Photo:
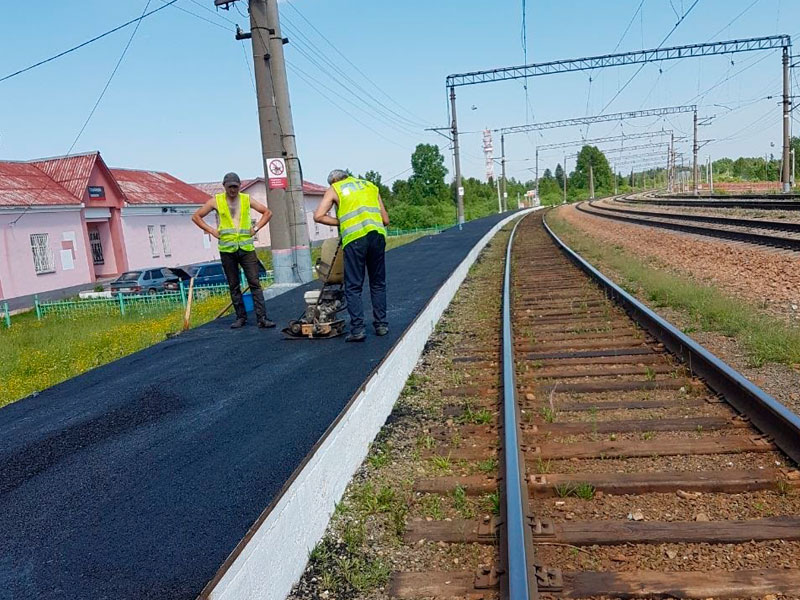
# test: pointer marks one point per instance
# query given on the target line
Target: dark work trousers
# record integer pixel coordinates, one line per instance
(249, 262)
(365, 252)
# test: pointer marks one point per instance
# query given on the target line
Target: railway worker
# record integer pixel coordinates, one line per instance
(362, 220)
(236, 244)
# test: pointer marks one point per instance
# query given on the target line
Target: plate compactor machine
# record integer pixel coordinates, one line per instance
(323, 305)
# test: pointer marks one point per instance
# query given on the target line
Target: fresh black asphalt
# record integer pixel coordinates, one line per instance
(137, 479)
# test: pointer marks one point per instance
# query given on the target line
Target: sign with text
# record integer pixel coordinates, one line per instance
(277, 179)
(97, 191)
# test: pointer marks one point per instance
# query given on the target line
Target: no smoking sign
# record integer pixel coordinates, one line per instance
(276, 174)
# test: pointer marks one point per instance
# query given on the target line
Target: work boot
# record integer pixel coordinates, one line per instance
(238, 323)
(381, 329)
(265, 324)
(356, 336)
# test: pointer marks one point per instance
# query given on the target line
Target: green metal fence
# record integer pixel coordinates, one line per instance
(423, 230)
(6, 314)
(129, 304)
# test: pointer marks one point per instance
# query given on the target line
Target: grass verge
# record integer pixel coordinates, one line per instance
(764, 338)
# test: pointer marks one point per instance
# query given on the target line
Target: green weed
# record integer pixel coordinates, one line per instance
(548, 414)
(441, 463)
(488, 466)
(432, 507)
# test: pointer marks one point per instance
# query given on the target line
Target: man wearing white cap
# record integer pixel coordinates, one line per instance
(236, 244)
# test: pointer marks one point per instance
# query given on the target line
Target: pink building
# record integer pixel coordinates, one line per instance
(67, 222)
(312, 194)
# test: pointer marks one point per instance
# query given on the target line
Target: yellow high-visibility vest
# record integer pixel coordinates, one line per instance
(232, 238)
(359, 210)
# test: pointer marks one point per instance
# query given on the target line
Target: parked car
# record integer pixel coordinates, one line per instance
(147, 281)
(207, 274)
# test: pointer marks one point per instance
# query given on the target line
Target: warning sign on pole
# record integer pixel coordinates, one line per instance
(276, 174)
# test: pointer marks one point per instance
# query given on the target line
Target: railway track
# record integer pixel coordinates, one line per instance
(750, 231)
(632, 463)
(723, 202)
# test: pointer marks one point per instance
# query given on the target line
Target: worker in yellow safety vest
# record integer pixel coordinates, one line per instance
(236, 244)
(362, 220)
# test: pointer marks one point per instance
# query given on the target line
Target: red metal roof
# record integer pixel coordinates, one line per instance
(151, 187)
(212, 188)
(72, 172)
(22, 184)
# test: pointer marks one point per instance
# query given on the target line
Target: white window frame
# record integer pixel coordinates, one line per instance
(154, 249)
(43, 259)
(165, 241)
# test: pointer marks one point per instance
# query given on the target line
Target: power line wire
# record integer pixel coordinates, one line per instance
(420, 121)
(201, 17)
(642, 66)
(87, 42)
(306, 47)
(313, 57)
(94, 108)
(110, 79)
(736, 18)
(624, 33)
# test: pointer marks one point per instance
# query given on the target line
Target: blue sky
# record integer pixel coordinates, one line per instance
(183, 99)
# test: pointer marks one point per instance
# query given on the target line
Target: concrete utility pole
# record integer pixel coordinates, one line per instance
(794, 174)
(671, 164)
(614, 174)
(291, 254)
(503, 164)
(710, 175)
(564, 176)
(456, 158)
(785, 172)
(695, 189)
(591, 182)
(499, 202)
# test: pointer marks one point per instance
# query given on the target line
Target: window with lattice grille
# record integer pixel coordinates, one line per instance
(165, 241)
(43, 260)
(154, 249)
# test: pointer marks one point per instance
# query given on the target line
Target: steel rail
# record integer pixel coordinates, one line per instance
(519, 540)
(727, 203)
(765, 413)
(738, 236)
(752, 223)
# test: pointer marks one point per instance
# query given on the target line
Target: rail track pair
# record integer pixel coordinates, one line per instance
(775, 234)
(633, 463)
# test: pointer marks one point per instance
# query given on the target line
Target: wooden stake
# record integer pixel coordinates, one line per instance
(188, 312)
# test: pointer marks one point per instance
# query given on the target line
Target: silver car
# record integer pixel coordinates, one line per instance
(146, 281)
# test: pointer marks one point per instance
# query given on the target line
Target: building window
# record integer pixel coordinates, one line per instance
(97, 247)
(165, 241)
(151, 232)
(43, 260)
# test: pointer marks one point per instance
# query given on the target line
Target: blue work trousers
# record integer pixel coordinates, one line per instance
(365, 254)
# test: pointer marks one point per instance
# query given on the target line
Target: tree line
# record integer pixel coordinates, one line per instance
(426, 199)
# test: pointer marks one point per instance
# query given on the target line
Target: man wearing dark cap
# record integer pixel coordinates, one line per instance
(236, 244)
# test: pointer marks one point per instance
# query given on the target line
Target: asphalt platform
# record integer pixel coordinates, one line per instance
(137, 479)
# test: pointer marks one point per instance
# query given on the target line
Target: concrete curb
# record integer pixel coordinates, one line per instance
(273, 555)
